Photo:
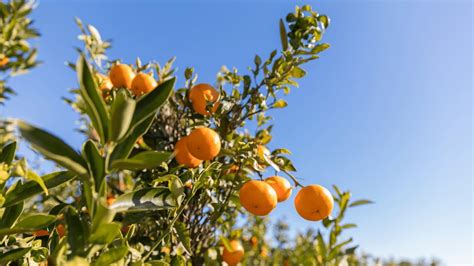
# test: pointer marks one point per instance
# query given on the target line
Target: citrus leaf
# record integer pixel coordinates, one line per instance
(20, 192)
(280, 104)
(13, 255)
(149, 104)
(11, 215)
(36, 221)
(144, 200)
(360, 202)
(30, 175)
(112, 255)
(54, 148)
(105, 234)
(143, 160)
(283, 37)
(124, 148)
(121, 115)
(95, 105)
(95, 161)
(7, 153)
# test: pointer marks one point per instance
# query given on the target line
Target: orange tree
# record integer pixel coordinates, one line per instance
(164, 171)
(16, 54)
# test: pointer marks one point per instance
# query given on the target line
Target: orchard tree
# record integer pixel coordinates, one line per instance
(167, 166)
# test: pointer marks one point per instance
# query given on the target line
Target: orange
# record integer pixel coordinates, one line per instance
(253, 241)
(110, 200)
(204, 143)
(121, 76)
(104, 82)
(142, 84)
(235, 255)
(40, 233)
(264, 252)
(183, 156)
(281, 186)
(314, 202)
(165, 250)
(60, 229)
(4, 61)
(258, 197)
(200, 95)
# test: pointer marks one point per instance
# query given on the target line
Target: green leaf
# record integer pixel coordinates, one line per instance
(76, 232)
(183, 235)
(20, 192)
(351, 250)
(95, 105)
(123, 149)
(96, 163)
(13, 255)
(7, 153)
(103, 215)
(360, 202)
(347, 226)
(225, 242)
(143, 160)
(149, 104)
(283, 37)
(36, 221)
(121, 115)
(144, 200)
(320, 47)
(11, 215)
(30, 175)
(105, 234)
(280, 104)
(298, 72)
(112, 255)
(53, 148)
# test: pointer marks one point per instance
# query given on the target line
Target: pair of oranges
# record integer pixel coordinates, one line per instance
(123, 76)
(313, 202)
(201, 144)
(261, 197)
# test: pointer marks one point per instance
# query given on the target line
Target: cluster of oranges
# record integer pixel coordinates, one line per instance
(202, 143)
(123, 76)
(260, 197)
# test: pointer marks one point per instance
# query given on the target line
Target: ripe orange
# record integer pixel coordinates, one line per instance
(61, 230)
(233, 256)
(258, 197)
(104, 82)
(264, 252)
(202, 93)
(253, 241)
(281, 186)
(41, 232)
(183, 156)
(110, 199)
(165, 250)
(4, 61)
(314, 202)
(142, 84)
(121, 76)
(204, 143)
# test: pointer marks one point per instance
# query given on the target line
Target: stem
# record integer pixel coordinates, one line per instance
(297, 184)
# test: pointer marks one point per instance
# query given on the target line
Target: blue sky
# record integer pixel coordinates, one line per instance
(386, 112)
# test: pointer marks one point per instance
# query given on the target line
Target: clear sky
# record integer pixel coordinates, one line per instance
(386, 112)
